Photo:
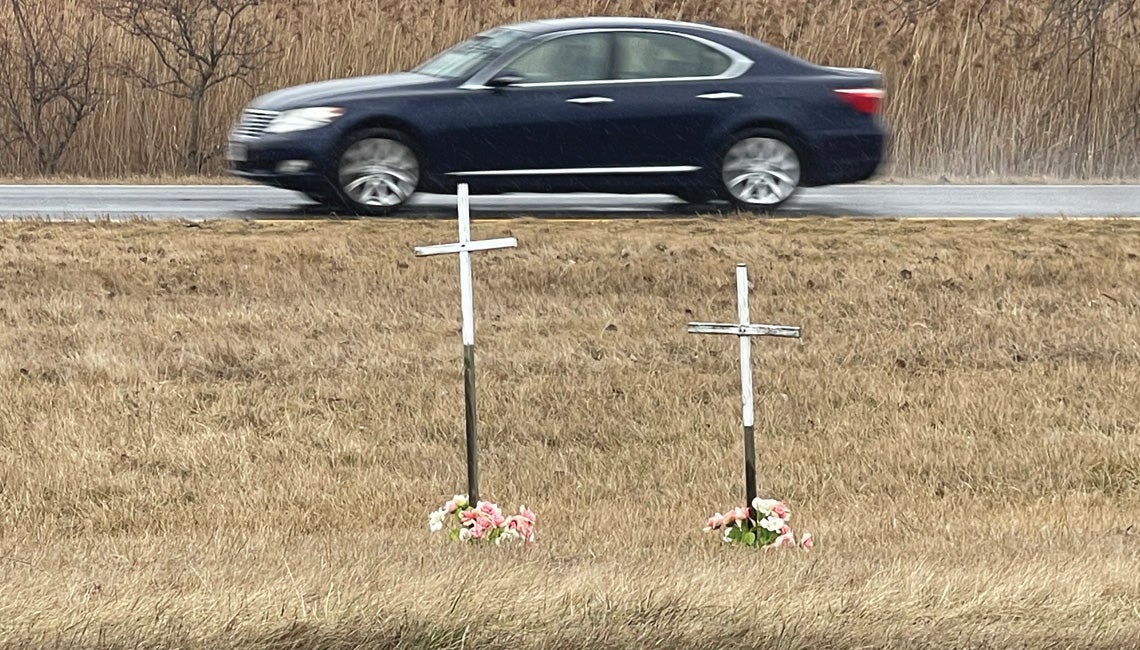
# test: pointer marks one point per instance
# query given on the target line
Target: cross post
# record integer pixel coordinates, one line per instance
(464, 247)
(745, 330)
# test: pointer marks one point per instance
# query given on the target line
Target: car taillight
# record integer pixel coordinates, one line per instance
(864, 100)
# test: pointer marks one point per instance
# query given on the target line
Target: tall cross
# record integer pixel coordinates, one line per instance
(464, 247)
(745, 330)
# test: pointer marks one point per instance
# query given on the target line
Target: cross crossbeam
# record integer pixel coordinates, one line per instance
(745, 329)
(466, 247)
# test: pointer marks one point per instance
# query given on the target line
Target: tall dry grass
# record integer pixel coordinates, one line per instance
(962, 100)
(230, 435)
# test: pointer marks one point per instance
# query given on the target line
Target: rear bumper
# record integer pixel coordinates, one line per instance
(844, 158)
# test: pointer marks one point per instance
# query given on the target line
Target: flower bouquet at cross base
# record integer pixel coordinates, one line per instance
(481, 522)
(766, 526)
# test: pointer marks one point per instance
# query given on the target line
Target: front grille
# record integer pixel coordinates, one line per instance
(253, 122)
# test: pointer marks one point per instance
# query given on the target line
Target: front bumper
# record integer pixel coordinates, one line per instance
(287, 161)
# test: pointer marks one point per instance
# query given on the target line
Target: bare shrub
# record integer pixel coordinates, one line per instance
(1077, 44)
(197, 45)
(48, 82)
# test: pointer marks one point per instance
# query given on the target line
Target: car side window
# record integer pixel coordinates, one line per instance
(577, 57)
(651, 55)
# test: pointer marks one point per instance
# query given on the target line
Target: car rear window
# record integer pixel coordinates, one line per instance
(653, 55)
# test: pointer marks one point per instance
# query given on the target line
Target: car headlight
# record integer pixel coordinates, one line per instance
(303, 119)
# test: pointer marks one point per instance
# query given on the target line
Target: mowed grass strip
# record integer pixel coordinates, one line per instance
(230, 435)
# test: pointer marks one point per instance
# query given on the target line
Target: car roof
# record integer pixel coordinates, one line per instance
(550, 25)
(728, 37)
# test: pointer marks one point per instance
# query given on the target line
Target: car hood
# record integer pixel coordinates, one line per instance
(340, 90)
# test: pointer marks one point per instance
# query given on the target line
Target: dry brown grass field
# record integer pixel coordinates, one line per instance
(231, 434)
(970, 95)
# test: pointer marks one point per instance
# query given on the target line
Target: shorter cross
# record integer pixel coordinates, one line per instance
(745, 330)
(464, 247)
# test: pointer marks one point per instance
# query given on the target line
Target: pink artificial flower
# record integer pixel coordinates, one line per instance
(481, 520)
(806, 542)
(476, 521)
(785, 530)
(781, 511)
(492, 511)
(716, 522)
(784, 540)
(740, 513)
(481, 525)
(521, 525)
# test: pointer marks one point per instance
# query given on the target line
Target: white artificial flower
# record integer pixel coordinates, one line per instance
(464, 534)
(763, 506)
(460, 501)
(772, 523)
(507, 535)
(435, 520)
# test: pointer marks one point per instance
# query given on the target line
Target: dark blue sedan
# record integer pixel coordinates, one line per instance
(586, 104)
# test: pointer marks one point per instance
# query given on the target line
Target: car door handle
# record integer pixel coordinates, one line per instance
(720, 96)
(589, 100)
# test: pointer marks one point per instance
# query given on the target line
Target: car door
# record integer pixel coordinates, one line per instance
(551, 122)
(675, 93)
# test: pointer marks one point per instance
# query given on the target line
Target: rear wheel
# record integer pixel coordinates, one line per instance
(377, 172)
(760, 171)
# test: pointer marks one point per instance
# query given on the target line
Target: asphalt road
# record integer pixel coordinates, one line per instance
(204, 202)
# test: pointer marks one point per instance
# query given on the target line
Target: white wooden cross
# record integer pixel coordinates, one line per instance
(464, 247)
(745, 330)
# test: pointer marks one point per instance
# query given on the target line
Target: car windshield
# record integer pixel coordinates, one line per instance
(470, 55)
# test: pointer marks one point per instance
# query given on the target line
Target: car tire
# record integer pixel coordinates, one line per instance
(760, 170)
(377, 171)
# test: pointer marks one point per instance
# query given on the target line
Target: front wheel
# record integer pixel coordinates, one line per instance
(377, 173)
(760, 171)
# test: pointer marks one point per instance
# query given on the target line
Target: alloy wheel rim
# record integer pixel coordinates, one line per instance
(761, 171)
(379, 172)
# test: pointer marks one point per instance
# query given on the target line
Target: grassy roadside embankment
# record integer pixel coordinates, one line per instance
(231, 435)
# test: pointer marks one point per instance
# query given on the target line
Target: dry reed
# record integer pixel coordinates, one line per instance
(962, 102)
(230, 435)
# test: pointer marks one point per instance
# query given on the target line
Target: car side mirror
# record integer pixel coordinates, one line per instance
(504, 80)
